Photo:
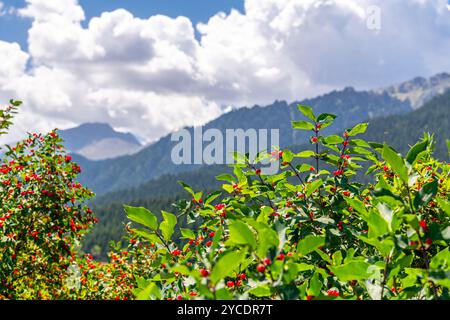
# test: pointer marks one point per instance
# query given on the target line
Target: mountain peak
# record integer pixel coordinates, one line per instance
(86, 135)
(419, 90)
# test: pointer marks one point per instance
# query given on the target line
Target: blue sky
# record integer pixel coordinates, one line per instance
(13, 28)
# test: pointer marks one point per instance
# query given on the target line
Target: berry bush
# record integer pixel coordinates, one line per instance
(312, 231)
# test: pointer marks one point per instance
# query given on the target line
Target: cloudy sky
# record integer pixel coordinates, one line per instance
(151, 67)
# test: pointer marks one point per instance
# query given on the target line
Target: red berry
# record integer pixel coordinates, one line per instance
(281, 257)
(333, 293)
(204, 272)
(429, 241)
(423, 224)
(230, 284)
(261, 268)
(209, 243)
(211, 234)
(242, 276)
(267, 261)
(258, 171)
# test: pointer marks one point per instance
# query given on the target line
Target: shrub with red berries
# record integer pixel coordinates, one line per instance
(42, 217)
(311, 231)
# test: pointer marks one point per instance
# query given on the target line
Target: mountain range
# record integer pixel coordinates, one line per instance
(350, 106)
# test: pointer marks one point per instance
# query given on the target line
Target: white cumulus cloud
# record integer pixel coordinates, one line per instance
(152, 76)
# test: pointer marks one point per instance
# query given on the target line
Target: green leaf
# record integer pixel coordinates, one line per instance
(326, 117)
(313, 186)
(168, 225)
(333, 139)
(264, 216)
(187, 233)
(307, 112)
(305, 154)
(240, 233)
(385, 193)
(187, 187)
(210, 198)
(226, 177)
(310, 244)
(337, 258)
(145, 233)
(444, 205)
(441, 260)
(378, 226)
(354, 270)
(198, 196)
(215, 242)
(302, 125)
(386, 213)
(358, 206)
(226, 266)
(267, 238)
(425, 194)
(396, 162)
(305, 167)
(261, 291)
(288, 155)
(448, 146)
(415, 150)
(148, 292)
(315, 285)
(142, 216)
(301, 267)
(359, 143)
(358, 129)
(223, 294)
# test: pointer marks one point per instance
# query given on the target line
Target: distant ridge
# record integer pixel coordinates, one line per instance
(99, 141)
(419, 90)
(351, 106)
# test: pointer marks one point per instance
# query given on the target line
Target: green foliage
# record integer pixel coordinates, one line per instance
(300, 234)
(7, 114)
(315, 234)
